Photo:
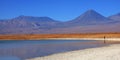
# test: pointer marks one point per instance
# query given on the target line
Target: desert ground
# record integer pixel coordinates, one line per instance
(52, 36)
(111, 52)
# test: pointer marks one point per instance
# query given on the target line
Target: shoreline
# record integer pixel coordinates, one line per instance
(87, 36)
(106, 40)
(110, 52)
(116, 39)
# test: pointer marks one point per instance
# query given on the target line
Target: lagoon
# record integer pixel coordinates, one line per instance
(26, 49)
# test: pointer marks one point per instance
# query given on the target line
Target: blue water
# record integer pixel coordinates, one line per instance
(9, 58)
(20, 50)
(41, 41)
(13, 43)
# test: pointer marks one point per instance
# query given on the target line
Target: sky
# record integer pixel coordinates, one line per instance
(62, 10)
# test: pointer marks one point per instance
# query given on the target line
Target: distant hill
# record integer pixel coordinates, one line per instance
(88, 22)
(115, 17)
(26, 24)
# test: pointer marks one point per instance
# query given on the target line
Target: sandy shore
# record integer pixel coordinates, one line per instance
(111, 52)
(64, 36)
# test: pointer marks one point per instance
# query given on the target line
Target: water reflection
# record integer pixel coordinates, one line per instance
(30, 49)
(9, 58)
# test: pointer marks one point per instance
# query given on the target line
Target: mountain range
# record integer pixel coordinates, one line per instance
(88, 22)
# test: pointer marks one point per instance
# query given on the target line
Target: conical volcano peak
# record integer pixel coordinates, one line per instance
(90, 17)
(91, 10)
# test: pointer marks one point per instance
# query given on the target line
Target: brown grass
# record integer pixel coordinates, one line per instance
(44, 36)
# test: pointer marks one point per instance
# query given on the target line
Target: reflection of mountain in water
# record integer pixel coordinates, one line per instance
(31, 49)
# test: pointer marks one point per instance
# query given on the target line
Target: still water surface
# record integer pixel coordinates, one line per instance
(20, 50)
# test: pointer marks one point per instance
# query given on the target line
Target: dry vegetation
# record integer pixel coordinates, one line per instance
(44, 36)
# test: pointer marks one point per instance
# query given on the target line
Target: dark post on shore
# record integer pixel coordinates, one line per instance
(104, 40)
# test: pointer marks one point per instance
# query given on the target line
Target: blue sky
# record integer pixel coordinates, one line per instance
(57, 9)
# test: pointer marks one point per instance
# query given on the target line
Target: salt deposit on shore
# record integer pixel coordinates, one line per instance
(113, 39)
(111, 52)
